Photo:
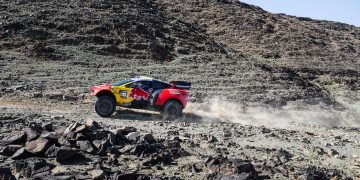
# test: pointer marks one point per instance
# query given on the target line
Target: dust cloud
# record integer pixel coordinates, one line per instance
(221, 110)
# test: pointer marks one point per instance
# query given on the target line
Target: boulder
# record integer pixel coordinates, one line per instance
(70, 128)
(52, 151)
(60, 129)
(64, 154)
(147, 138)
(59, 170)
(102, 147)
(133, 136)
(17, 166)
(50, 135)
(127, 130)
(80, 129)
(37, 167)
(21, 154)
(125, 176)
(95, 135)
(223, 165)
(220, 176)
(113, 155)
(9, 150)
(38, 146)
(97, 174)
(70, 135)
(92, 125)
(30, 134)
(5, 173)
(145, 149)
(47, 126)
(211, 139)
(243, 167)
(80, 136)
(97, 143)
(113, 138)
(85, 146)
(14, 137)
(313, 173)
(172, 143)
(64, 142)
(120, 138)
(127, 149)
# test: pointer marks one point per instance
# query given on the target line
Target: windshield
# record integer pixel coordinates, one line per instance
(121, 82)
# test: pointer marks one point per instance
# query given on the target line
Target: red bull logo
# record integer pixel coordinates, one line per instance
(138, 93)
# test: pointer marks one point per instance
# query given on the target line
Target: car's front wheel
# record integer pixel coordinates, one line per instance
(172, 110)
(105, 106)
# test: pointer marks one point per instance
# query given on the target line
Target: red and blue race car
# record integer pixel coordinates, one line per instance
(142, 93)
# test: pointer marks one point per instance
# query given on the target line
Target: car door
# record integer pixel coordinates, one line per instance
(141, 90)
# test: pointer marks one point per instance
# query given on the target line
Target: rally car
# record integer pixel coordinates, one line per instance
(142, 93)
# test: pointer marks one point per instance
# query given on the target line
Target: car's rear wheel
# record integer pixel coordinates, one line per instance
(172, 110)
(105, 106)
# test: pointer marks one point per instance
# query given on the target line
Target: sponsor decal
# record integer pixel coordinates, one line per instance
(173, 91)
(138, 94)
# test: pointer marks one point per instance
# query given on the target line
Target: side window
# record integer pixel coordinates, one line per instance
(144, 85)
(132, 85)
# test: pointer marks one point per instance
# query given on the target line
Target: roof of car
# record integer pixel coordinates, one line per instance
(142, 78)
(145, 78)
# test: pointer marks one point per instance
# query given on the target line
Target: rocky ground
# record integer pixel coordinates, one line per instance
(273, 96)
(63, 141)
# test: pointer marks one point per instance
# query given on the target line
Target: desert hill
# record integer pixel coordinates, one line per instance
(57, 49)
(323, 52)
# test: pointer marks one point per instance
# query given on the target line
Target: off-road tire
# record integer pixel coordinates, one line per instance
(105, 106)
(172, 110)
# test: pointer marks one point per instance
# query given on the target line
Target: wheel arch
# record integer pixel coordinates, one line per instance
(106, 93)
(174, 99)
(167, 94)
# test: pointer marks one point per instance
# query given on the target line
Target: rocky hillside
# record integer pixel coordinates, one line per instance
(326, 53)
(251, 30)
(135, 30)
(57, 49)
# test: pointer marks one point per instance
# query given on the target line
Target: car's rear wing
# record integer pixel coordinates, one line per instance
(181, 84)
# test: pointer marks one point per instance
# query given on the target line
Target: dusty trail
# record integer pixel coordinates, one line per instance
(212, 111)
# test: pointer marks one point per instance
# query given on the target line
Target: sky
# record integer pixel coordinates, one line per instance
(346, 11)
